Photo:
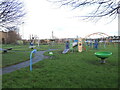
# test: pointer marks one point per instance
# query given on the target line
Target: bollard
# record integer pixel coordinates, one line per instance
(34, 51)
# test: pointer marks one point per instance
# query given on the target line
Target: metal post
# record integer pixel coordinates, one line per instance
(34, 51)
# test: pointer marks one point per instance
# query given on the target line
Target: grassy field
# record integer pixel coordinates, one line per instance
(21, 53)
(18, 54)
(26, 47)
(11, 58)
(71, 70)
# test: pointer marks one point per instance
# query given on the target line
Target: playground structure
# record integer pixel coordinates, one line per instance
(93, 42)
(84, 44)
(72, 44)
(32, 45)
(103, 40)
(88, 42)
(67, 47)
(97, 33)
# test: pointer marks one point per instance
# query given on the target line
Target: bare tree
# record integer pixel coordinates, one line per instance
(100, 8)
(13, 28)
(13, 37)
(11, 13)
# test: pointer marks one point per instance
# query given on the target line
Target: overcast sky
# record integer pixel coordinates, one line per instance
(44, 17)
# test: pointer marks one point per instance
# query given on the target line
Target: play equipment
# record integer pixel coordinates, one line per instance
(34, 51)
(65, 51)
(103, 55)
(102, 39)
(32, 45)
(96, 44)
(88, 42)
(67, 48)
(75, 43)
(71, 45)
(51, 54)
(80, 45)
(5, 50)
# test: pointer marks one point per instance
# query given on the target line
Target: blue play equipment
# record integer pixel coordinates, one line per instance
(67, 45)
(31, 44)
(96, 44)
(34, 51)
(70, 45)
(75, 40)
(66, 48)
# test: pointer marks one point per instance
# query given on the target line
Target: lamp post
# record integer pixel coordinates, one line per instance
(22, 29)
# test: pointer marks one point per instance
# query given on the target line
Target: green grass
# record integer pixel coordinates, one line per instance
(26, 47)
(71, 70)
(11, 58)
(19, 55)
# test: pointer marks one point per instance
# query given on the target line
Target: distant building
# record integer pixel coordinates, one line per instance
(3, 37)
(9, 37)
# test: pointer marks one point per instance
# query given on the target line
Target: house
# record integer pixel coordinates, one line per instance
(3, 37)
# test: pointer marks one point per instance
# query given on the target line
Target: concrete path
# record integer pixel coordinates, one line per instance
(38, 57)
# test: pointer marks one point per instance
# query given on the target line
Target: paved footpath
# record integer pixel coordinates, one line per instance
(38, 57)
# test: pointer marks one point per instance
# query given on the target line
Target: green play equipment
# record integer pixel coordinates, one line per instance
(71, 45)
(103, 55)
(51, 55)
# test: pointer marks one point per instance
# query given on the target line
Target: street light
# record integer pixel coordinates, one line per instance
(22, 29)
